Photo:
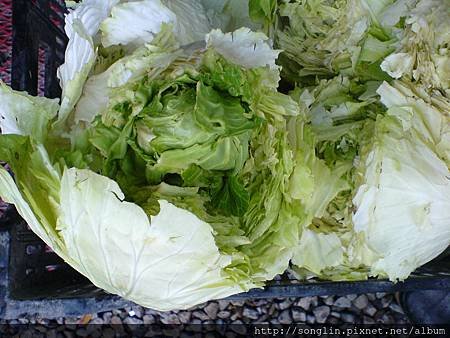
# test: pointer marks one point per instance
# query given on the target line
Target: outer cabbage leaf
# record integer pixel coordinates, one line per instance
(403, 202)
(23, 114)
(168, 262)
(82, 25)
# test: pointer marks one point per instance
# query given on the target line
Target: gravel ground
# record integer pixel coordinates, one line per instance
(356, 309)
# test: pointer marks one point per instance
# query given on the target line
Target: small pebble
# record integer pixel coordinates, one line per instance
(298, 315)
(368, 320)
(107, 317)
(132, 321)
(310, 319)
(380, 295)
(211, 310)
(370, 310)
(285, 317)
(321, 314)
(148, 319)
(333, 321)
(171, 318)
(115, 320)
(361, 302)
(250, 313)
(223, 304)
(329, 300)
(304, 303)
(351, 296)
(343, 302)
(223, 314)
(386, 301)
(347, 317)
(286, 304)
(335, 314)
(200, 315)
(185, 317)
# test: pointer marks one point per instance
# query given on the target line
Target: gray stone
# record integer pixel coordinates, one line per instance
(115, 320)
(371, 297)
(223, 314)
(314, 301)
(380, 295)
(368, 320)
(310, 319)
(185, 317)
(274, 321)
(370, 310)
(250, 313)
(321, 313)
(361, 302)
(272, 310)
(285, 317)
(170, 318)
(138, 311)
(343, 302)
(259, 303)
(235, 315)
(148, 319)
(335, 314)
(333, 321)
(298, 315)
(223, 304)
(304, 303)
(386, 301)
(351, 296)
(237, 303)
(132, 321)
(387, 319)
(347, 317)
(286, 304)
(211, 310)
(107, 317)
(329, 300)
(200, 315)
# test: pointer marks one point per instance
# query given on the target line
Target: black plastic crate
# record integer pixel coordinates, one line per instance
(33, 279)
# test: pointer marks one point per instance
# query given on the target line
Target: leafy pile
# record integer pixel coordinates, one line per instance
(175, 169)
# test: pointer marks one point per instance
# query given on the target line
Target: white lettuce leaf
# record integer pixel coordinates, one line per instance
(82, 25)
(244, 47)
(403, 205)
(135, 23)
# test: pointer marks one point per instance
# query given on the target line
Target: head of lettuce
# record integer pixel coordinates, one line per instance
(161, 175)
